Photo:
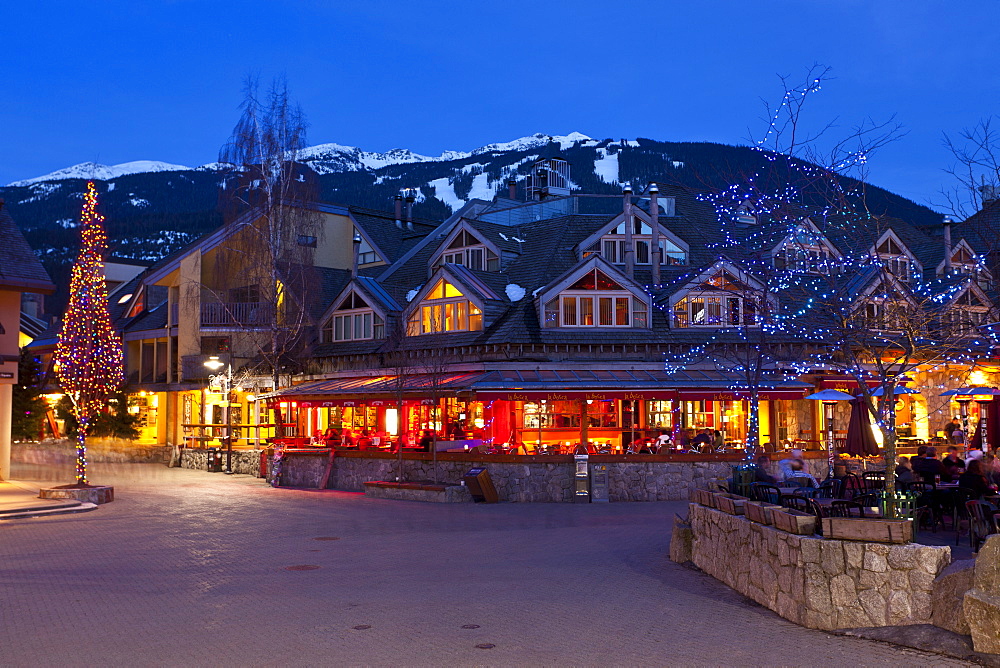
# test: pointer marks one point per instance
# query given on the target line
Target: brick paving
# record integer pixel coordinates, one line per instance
(192, 568)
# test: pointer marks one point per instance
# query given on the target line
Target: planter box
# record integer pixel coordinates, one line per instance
(730, 503)
(759, 512)
(869, 530)
(793, 521)
(704, 497)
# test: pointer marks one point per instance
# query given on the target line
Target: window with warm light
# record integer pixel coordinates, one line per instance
(595, 300)
(721, 301)
(895, 259)
(445, 309)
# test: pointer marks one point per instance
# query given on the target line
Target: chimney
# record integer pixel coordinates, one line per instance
(512, 189)
(627, 208)
(410, 198)
(357, 253)
(399, 210)
(946, 225)
(654, 243)
(989, 194)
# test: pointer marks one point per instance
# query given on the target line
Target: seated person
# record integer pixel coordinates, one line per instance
(427, 441)
(331, 436)
(760, 473)
(799, 475)
(974, 480)
(953, 465)
(928, 466)
(904, 471)
(704, 439)
(364, 440)
(347, 438)
(663, 441)
(785, 465)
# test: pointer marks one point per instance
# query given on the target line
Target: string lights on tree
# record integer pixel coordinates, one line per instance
(88, 357)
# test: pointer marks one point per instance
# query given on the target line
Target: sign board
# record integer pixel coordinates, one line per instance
(574, 395)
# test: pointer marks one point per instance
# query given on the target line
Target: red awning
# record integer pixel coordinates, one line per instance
(739, 395)
(577, 395)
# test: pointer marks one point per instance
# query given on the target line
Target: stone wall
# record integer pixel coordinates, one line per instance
(244, 461)
(815, 582)
(113, 450)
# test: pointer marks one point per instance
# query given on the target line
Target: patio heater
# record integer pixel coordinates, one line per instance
(829, 399)
(963, 400)
(214, 363)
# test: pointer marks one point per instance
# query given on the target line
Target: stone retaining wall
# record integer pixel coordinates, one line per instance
(62, 451)
(819, 583)
(244, 461)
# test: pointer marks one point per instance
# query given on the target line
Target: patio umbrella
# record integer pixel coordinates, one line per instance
(860, 439)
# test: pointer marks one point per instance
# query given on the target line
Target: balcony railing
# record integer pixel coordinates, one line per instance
(235, 313)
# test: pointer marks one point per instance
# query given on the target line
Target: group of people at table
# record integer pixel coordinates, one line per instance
(365, 440)
(978, 472)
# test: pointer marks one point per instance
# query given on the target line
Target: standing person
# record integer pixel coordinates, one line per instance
(949, 430)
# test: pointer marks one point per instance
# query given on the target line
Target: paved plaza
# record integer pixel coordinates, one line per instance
(194, 568)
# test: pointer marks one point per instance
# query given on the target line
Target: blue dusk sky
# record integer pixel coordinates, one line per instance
(113, 82)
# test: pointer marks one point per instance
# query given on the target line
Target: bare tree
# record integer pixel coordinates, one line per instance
(976, 169)
(264, 277)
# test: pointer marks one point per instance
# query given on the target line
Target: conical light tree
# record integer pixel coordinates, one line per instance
(89, 353)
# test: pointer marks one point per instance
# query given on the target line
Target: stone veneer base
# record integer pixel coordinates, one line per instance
(819, 583)
(97, 494)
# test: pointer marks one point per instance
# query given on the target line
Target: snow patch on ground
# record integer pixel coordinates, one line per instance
(515, 292)
(412, 293)
(138, 201)
(40, 191)
(67, 223)
(482, 188)
(606, 166)
(445, 192)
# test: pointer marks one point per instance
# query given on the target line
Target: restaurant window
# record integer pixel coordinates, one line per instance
(353, 320)
(470, 252)
(660, 414)
(567, 414)
(445, 309)
(595, 300)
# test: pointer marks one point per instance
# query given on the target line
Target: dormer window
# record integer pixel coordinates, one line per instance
(895, 259)
(885, 310)
(366, 254)
(967, 314)
(612, 246)
(468, 251)
(804, 252)
(596, 300)
(353, 320)
(966, 263)
(445, 309)
(721, 301)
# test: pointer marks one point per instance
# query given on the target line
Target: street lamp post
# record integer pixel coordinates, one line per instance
(214, 363)
(829, 399)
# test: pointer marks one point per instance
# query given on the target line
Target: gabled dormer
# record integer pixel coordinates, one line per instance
(968, 310)
(358, 313)
(965, 261)
(721, 296)
(896, 257)
(885, 304)
(805, 250)
(453, 300)
(467, 247)
(610, 240)
(594, 294)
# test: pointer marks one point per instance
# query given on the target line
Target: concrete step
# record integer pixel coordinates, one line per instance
(43, 511)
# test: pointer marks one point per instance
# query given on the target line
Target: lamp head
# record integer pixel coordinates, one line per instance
(214, 363)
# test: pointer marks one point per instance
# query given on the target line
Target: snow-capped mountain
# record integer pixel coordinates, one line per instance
(152, 208)
(92, 170)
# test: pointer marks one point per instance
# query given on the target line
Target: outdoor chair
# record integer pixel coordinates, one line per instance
(868, 501)
(851, 486)
(799, 503)
(981, 524)
(959, 512)
(765, 492)
(828, 489)
(842, 508)
(873, 480)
